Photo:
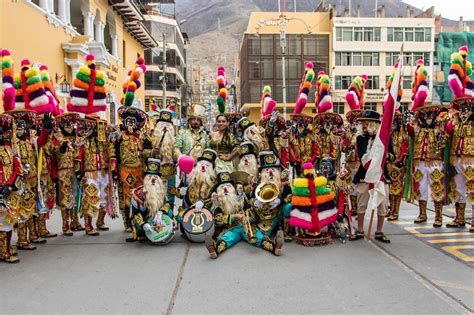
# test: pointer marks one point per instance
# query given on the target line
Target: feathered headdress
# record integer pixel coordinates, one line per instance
(222, 91)
(389, 85)
(88, 93)
(305, 86)
(459, 74)
(268, 104)
(50, 90)
(29, 90)
(356, 93)
(419, 85)
(323, 98)
(7, 80)
(133, 82)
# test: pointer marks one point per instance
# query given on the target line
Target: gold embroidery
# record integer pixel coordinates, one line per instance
(436, 175)
(417, 175)
(469, 173)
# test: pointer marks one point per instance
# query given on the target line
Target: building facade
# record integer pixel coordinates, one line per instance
(60, 33)
(371, 45)
(165, 30)
(307, 39)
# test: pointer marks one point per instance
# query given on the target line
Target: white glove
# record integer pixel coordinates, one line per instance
(183, 190)
(199, 205)
(258, 203)
(275, 203)
(157, 219)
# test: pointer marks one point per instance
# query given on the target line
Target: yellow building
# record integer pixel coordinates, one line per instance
(60, 33)
(307, 38)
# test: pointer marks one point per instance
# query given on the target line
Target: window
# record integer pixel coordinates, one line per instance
(266, 43)
(372, 82)
(338, 33)
(338, 108)
(427, 34)
(254, 46)
(367, 34)
(419, 34)
(124, 55)
(293, 45)
(267, 69)
(370, 106)
(255, 91)
(309, 46)
(347, 34)
(294, 67)
(358, 34)
(357, 58)
(409, 58)
(254, 69)
(398, 34)
(342, 82)
(390, 34)
(406, 84)
(409, 34)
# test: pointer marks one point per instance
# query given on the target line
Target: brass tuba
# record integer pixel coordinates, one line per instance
(266, 192)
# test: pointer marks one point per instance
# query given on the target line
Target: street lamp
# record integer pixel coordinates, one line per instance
(282, 21)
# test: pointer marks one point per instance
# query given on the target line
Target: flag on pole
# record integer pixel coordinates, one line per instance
(374, 161)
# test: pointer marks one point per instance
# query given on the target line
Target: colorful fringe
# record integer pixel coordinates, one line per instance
(305, 86)
(355, 93)
(133, 82)
(88, 93)
(268, 104)
(8, 84)
(313, 205)
(50, 90)
(419, 87)
(323, 98)
(222, 92)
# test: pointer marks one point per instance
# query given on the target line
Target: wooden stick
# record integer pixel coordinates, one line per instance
(370, 224)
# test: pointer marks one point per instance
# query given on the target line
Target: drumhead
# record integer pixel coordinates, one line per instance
(163, 233)
(196, 223)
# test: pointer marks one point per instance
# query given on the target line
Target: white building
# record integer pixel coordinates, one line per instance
(371, 45)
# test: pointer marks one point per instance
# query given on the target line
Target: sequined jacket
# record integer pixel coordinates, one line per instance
(64, 151)
(462, 133)
(127, 151)
(429, 143)
(93, 155)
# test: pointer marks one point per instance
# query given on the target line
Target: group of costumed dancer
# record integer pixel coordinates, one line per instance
(263, 184)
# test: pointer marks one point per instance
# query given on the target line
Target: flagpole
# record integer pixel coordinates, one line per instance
(393, 92)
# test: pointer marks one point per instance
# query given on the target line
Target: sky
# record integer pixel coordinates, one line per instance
(451, 9)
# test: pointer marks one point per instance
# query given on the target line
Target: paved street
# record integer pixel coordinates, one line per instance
(424, 270)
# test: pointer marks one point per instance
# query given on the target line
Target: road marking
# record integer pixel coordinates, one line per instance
(453, 285)
(451, 240)
(455, 251)
(433, 287)
(414, 229)
(442, 234)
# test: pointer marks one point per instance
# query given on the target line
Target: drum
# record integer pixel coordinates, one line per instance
(197, 223)
(160, 234)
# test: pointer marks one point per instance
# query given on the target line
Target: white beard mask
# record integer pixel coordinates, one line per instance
(227, 198)
(155, 194)
(248, 164)
(167, 144)
(202, 179)
(271, 174)
(254, 135)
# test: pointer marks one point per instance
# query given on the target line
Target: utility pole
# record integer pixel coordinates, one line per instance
(283, 46)
(164, 71)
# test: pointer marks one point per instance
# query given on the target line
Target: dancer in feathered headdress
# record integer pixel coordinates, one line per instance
(461, 119)
(88, 93)
(356, 92)
(459, 74)
(222, 92)
(30, 92)
(305, 86)
(7, 80)
(419, 85)
(133, 82)
(323, 98)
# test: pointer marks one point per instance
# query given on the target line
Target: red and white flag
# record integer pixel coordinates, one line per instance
(376, 157)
